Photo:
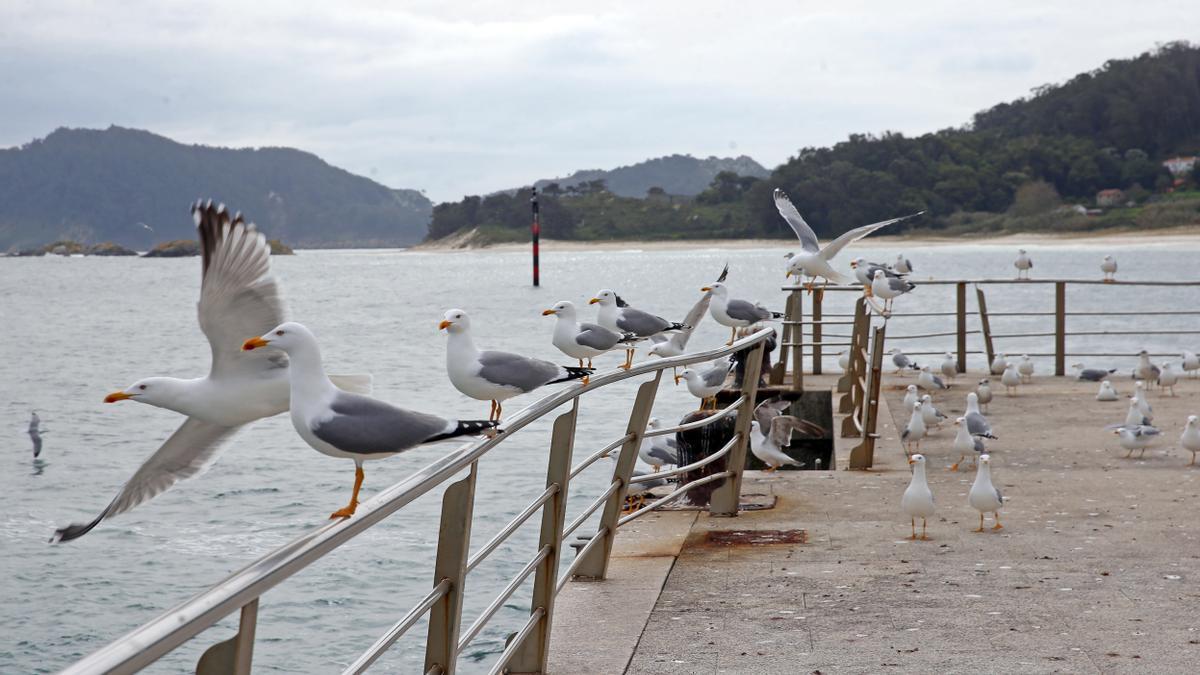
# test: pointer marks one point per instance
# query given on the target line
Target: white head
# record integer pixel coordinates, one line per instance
(912, 388)
(794, 266)
(455, 321)
(161, 392)
(686, 374)
(662, 349)
(718, 289)
(878, 274)
(286, 336)
(959, 420)
(1192, 419)
(917, 406)
(948, 357)
(605, 298)
(856, 262)
(896, 351)
(654, 423)
(1107, 258)
(985, 460)
(562, 308)
(973, 398)
(927, 399)
(917, 459)
(1024, 357)
(1020, 251)
(1139, 385)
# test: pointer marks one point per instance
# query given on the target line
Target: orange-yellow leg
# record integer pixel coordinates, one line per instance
(350, 508)
(997, 526)
(580, 363)
(628, 360)
(913, 522)
(589, 365)
(954, 466)
(1193, 459)
(924, 537)
(980, 523)
(770, 469)
(732, 336)
(585, 379)
(492, 416)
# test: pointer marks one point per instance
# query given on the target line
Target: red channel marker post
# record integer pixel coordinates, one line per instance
(537, 231)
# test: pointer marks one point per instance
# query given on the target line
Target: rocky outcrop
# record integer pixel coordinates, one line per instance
(180, 248)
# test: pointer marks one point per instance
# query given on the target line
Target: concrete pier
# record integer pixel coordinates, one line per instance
(1097, 568)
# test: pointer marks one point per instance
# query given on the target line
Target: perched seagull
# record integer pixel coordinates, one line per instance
(812, 260)
(1133, 416)
(1137, 437)
(1144, 370)
(1107, 393)
(843, 360)
(35, 433)
(915, 431)
(767, 445)
(999, 364)
(1023, 263)
(736, 313)
(977, 424)
(889, 288)
(618, 316)
(911, 396)
(659, 450)
(674, 344)
(965, 443)
(1109, 267)
(902, 265)
(902, 362)
(927, 380)
(1092, 374)
(1143, 401)
(984, 392)
(705, 383)
(582, 340)
(1190, 363)
(931, 415)
(864, 272)
(1190, 440)
(353, 426)
(917, 501)
(492, 375)
(1010, 379)
(635, 493)
(949, 366)
(1025, 368)
(238, 297)
(984, 497)
(1167, 377)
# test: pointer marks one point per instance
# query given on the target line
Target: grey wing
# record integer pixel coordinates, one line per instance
(1146, 430)
(596, 337)
(899, 284)
(746, 311)
(768, 410)
(999, 497)
(857, 233)
(693, 318)
(808, 238)
(909, 265)
(518, 371)
(186, 453)
(784, 427)
(644, 324)
(977, 425)
(714, 376)
(662, 455)
(979, 447)
(363, 425)
(238, 296)
(938, 381)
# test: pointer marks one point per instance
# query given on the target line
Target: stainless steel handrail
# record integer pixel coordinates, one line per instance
(389, 638)
(586, 513)
(534, 617)
(657, 475)
(722, 413)
(599, 454)
(503, 535)
(678, 491)
(495, 605)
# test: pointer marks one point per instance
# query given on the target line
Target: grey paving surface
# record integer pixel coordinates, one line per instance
(1096, 570)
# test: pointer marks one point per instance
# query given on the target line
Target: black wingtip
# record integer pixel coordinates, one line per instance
(679, 326)
(628, 338)
(776, 315)
(574, 373)
(74, 531)
(621, 302)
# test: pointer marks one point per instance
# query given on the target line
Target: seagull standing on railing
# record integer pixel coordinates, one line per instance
(983, 391)
(582, 340)
(902, 265)
(616, 315)
(705, 383)
(494, 375)
(673, 344)
(865, 272)
(911, 437)
(351, 426)
(984, 497)
(888, 288)
(1023, 263)
(1167, 377)
(917, 500)
(1109, 267)
(812, 260)
(736, 313)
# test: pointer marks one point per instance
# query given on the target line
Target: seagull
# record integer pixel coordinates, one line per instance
(1107, 393)
(977, 424)
(864, 272)
(1025, 368)
(1190, 440)
(658, 450)
(35, 433)
(1010, 379)
(1144, 370)
(931, 415)
(1167, 377)
(582, 340)
(493, 375)
(917, 501)
(616, 315)
(674, 344)
(911, 396)
(635, 493)
(1137, 437)
(1143, 402)
(768, 445)
(1092, 374)
(238, 297)
(902, 265)
(813, 260)
(902, 362)
(984, 392)
(1133, 416)
(735, 313)
(999, 364)
(965, 443)
(1023, 263)
(1109, 267)
(984, 497)
(351, 426)
(1190, 363)
(889, 288)
(915, 431)
(843, 360)
(949, 366)
(927, 380)
(704, 384)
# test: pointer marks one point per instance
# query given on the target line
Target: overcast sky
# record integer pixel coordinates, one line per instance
(462, 97)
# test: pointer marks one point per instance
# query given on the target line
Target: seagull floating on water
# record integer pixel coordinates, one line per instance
(35, 433)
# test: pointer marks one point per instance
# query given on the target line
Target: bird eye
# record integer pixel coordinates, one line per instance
(279, 332)
(141, 386)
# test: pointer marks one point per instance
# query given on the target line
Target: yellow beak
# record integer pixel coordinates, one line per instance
(254, 343)
(911, 460)
(548, 312)
(117, 396)
(676, 380)
(706, 288)
(854, 264)
(593, 301)
(789, 274)
(445, 324)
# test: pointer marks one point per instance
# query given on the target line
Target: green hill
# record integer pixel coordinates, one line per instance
(133, 188)
(674, 174)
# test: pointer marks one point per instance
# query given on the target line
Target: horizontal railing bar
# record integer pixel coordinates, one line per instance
(400, 628)
(817, 344)
(921, 336)
(1113, 354)
(951, 282)
(599, 454)
(678, 491)
(596, 504)
(579, 558)
(1145, 313)
(937, 353)
(516, 640)
(688, 467)
(505, 594)
(724, 412)
(807, 322)
(501, 536)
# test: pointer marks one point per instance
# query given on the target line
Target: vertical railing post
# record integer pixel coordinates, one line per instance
(818, 296)
(986, 325)
(235, 654)
(961, 315)
(779, 371)
(725, 499)
(862, 456)
(595, 565)
(1060, 328)
(531, 655)
(454, 543)
(798, 342)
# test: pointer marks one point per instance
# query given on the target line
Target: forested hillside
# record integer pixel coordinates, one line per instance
(682, 175)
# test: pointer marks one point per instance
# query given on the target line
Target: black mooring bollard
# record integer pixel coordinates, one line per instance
(695, 445)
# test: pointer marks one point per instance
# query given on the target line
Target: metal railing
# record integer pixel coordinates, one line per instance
(527, 649)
